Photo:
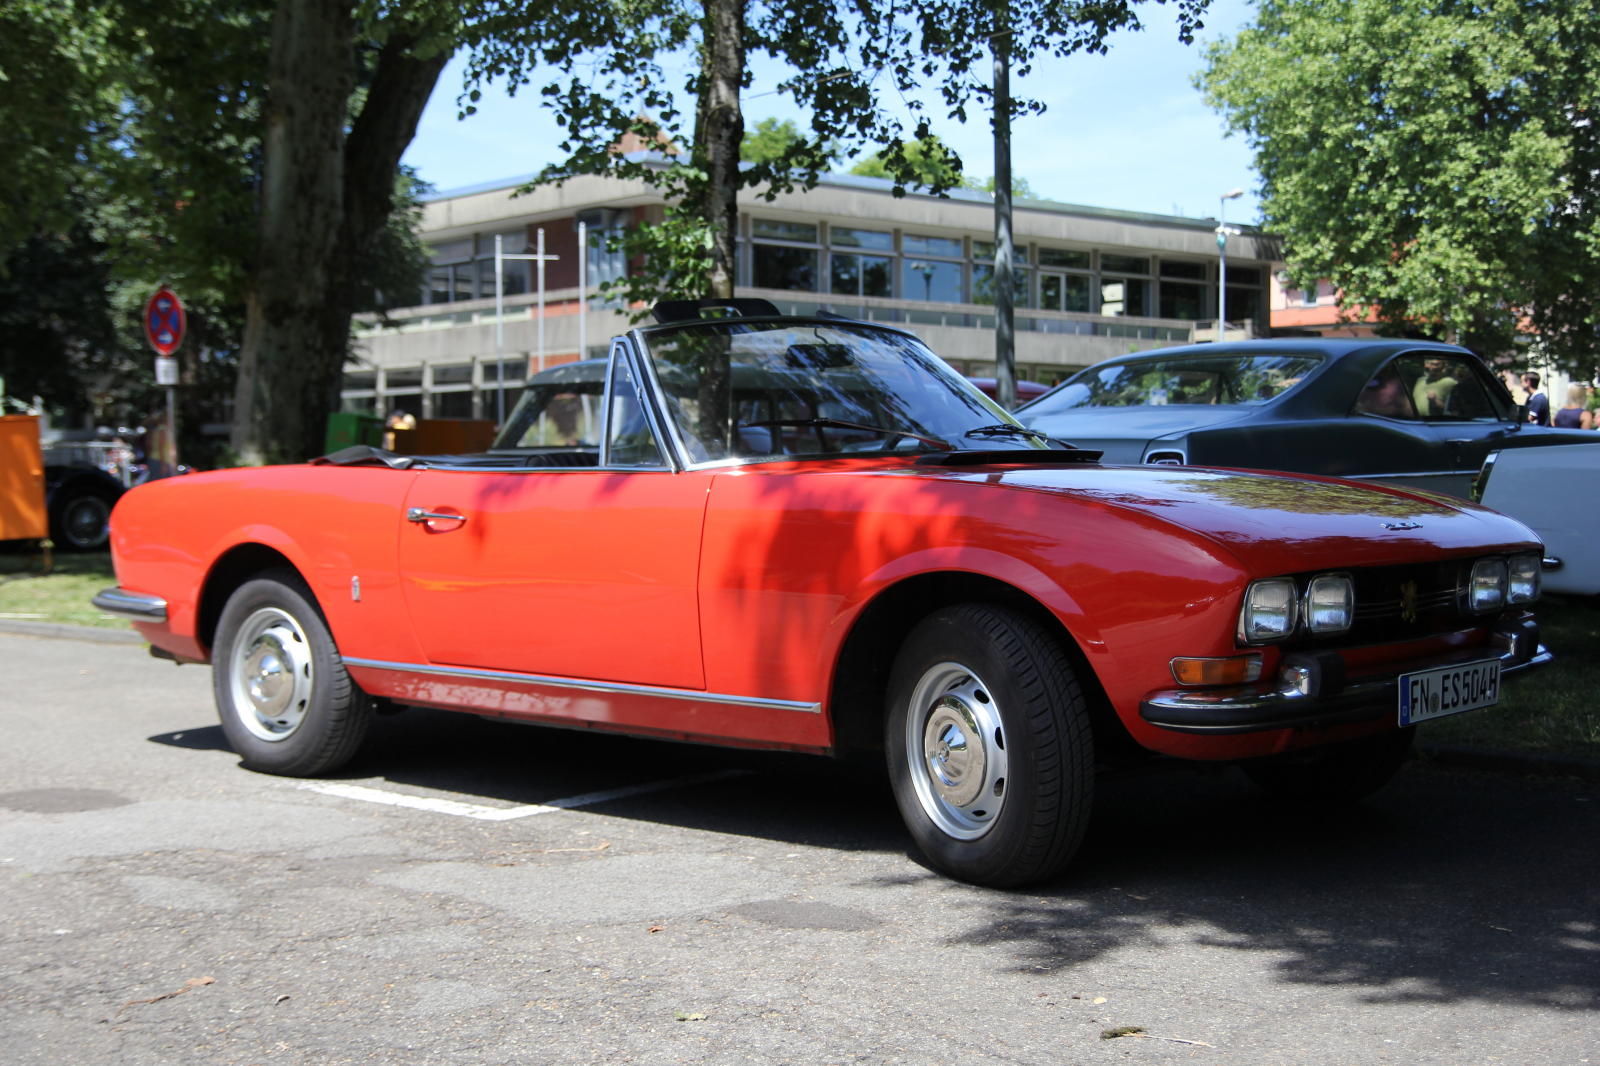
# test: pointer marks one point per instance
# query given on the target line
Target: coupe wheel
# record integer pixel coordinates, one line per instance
(1341, 774)
(989, 747)
(286, 701)
(83, 522)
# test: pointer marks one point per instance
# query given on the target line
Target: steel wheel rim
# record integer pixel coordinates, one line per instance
(955, 745)
(271, 675)
(86, 521)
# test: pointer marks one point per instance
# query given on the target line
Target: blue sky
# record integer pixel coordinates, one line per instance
(1123, 130)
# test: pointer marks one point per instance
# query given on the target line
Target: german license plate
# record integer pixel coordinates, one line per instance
(1448, 690)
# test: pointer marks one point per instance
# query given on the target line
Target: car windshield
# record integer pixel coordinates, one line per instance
(1244, 380)
(770, 389)
(560, 408)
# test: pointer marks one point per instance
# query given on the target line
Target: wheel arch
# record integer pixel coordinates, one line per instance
(858, 694)
(233, 568)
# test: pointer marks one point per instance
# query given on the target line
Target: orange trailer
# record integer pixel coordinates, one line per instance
(22, 509)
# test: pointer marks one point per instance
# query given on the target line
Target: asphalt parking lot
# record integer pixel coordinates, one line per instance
(474, 892)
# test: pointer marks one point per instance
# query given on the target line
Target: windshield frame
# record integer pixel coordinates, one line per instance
(682, 455)
(1320, 359)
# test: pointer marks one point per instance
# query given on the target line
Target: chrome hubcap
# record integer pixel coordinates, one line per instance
(956, 746)
(271, 674)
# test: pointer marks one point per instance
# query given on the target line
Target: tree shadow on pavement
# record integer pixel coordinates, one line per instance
(1441, 887)
(1445, 886)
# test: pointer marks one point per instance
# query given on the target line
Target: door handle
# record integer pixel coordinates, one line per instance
(418, 514)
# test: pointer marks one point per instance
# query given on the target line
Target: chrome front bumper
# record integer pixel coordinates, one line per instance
(134, 606)
(1256, 709)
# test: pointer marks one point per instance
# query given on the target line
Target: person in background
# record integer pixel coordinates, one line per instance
(1573, 415)
(1538, 402)
(398, 419)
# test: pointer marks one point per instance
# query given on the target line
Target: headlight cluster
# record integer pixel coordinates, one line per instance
(1493, 583)
(1273, 609)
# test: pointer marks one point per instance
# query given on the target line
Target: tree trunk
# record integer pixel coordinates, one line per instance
(378, 138)
(324, 200)
(280, 400)
(721, 134)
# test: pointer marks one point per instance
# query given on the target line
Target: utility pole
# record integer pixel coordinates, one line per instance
(1005, 339)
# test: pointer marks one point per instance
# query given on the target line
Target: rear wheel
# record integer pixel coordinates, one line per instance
(81, 521)
(285, 699)
(989, 747)
(1340, 774)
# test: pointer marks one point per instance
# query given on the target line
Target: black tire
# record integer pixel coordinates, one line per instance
(324, 719)
(1022, 679)
(1343, 773)
(80, 519)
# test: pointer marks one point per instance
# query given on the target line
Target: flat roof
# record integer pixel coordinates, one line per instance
(884, 185)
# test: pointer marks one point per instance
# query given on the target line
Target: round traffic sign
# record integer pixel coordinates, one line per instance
(164, 321)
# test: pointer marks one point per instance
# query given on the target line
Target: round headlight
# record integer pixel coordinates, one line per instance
(1270, 611)
(1330, 603)
(1524, 583)
(1486, 589)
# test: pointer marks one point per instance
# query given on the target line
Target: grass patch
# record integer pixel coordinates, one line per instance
(1552, 712)
(62, 595)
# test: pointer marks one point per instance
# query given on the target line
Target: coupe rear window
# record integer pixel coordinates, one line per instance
(1240, 380)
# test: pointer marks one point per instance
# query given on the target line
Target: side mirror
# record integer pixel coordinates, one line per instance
(1520, 415)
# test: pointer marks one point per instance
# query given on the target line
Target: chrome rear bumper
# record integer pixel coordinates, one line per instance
(134, 606)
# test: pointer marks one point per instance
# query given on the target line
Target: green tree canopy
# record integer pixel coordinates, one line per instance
(1437, 161)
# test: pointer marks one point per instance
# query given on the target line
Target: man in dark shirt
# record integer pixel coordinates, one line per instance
(1538, 402)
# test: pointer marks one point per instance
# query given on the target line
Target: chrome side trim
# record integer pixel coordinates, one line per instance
(587, 686)
(1419, 473)
(134, 606)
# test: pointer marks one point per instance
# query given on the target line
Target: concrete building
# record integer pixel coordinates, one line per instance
(1093, 283)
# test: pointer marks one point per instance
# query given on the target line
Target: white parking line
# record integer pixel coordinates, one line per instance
(506, 814)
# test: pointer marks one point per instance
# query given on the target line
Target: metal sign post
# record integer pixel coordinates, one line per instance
(500, 256)
(1223, 231)
(165, 323)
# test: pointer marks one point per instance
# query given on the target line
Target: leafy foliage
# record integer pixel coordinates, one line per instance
(614, 95)
(1439, 161)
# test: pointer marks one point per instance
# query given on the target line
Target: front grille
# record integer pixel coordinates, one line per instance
(1397, 603)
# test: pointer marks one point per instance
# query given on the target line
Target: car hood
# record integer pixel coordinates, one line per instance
(1279, 524)
(1123, 432)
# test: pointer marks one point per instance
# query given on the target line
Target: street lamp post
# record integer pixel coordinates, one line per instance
(1223, 230)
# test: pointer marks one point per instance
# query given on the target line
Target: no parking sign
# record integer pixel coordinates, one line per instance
(164, 321)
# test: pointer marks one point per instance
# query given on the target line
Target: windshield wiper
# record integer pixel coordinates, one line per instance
(1007, 429)
(835, 423)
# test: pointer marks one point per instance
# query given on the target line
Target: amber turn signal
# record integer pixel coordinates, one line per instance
(1234, 670)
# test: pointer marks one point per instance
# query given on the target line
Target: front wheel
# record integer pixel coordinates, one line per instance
(1340, 774)
(989, 747)
(285, 699)
(81, 522)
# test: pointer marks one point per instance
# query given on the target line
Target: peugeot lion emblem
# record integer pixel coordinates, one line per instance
(1401, 525)
(1408, 602)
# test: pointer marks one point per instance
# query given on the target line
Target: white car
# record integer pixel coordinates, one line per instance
(1555, 491)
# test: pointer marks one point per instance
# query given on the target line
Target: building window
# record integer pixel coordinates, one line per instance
(1123, 264)
(1064, 258)
(1064, 292)
(931, 269)
(856, 273)
(1244, 305)
(783, 266)
(983, 283)
(464, 270)
(1184, 299)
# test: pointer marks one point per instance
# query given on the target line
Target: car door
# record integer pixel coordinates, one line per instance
(573, 572)
(1386, 439)
(1467, 413)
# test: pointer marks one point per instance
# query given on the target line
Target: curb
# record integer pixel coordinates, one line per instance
(61, 631)
(1511, 762)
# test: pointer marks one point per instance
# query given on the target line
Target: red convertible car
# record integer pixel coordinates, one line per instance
(812, 534)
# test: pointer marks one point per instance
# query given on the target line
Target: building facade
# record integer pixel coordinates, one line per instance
(1092, 283)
